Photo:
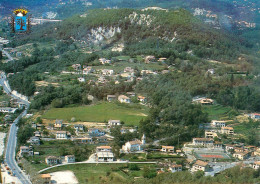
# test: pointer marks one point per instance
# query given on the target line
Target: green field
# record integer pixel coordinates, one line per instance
(119, 66)
(217, 112)
(102, 173)
(131, 114)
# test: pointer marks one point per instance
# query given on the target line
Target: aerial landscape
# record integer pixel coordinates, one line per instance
(129, 92)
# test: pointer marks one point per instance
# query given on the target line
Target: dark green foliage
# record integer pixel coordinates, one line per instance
(133, 167)
(24, 133)
(149, 173)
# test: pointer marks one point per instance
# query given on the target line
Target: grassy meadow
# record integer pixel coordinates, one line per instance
(131, 114)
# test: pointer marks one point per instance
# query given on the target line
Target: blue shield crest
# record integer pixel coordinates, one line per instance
(21, 23)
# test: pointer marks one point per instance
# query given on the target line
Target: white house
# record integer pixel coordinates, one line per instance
(167, 149)
(52, 160)
(58, 124)
(69, 158)
(34, 140)
(110, 98)
(241, 155)
(206, 142)
(61, 135)
(200, 166)
(24, 150)
(107, 72)
(135, 145)
(227, 130)
(105, 156)
(87, 70)
(142, 99)
(123, 99)
(114, 122)
(104, 149)
(95, 132)
(79, 127)
(81, 79)
(104, 61)
(217, 123)
(175, 168)
(256, 165)
(255, 116)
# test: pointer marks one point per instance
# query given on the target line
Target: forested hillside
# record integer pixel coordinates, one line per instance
(156, 32)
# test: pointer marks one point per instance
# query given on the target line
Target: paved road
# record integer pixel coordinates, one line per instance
(10, 58)
(12, 137)
(7, 88)
(10, 151)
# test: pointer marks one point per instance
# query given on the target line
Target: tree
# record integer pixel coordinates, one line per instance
(149, 173)
(1, 55)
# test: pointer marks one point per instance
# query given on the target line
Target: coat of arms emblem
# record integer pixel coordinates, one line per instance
(20, 21)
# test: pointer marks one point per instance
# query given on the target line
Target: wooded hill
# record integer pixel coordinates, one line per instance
(155, 32)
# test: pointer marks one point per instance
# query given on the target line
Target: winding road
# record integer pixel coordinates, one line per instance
(12, 137)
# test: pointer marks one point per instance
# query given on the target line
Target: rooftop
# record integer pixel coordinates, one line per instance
(201, 163)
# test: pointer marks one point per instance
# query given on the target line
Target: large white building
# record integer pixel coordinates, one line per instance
(61, 135)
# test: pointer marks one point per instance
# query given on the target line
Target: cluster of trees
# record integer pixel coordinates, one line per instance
(25, 131)
(81, 153)
(59, 97)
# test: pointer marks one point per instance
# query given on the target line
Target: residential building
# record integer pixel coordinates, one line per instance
(256, 165)
(34, 140)
(37, 133)
(101, 139)
(241, 155)
(167, 149)
(142, 99)
(130, 94)
(52, 160)
(87, 70)
(149, 59)
(135, 145)
(111, 98)
(76, 67)
(94, 132)
(162, 59)
(210, 134)
(227, 130)
(104, 61)
(200, 165)
(81, 79)
(104, 149)
(123, 99)
(79, 127)
(217, 123)
(105, 156)
(128, 70)
(58, 124)
(69, 158)
(229, 147)
(24, 150)
(203, 101)
(61, 135)
(255, 116)
(206, 142)
(175, 168)
(46, 178)
(114, 122)
(107, 72)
